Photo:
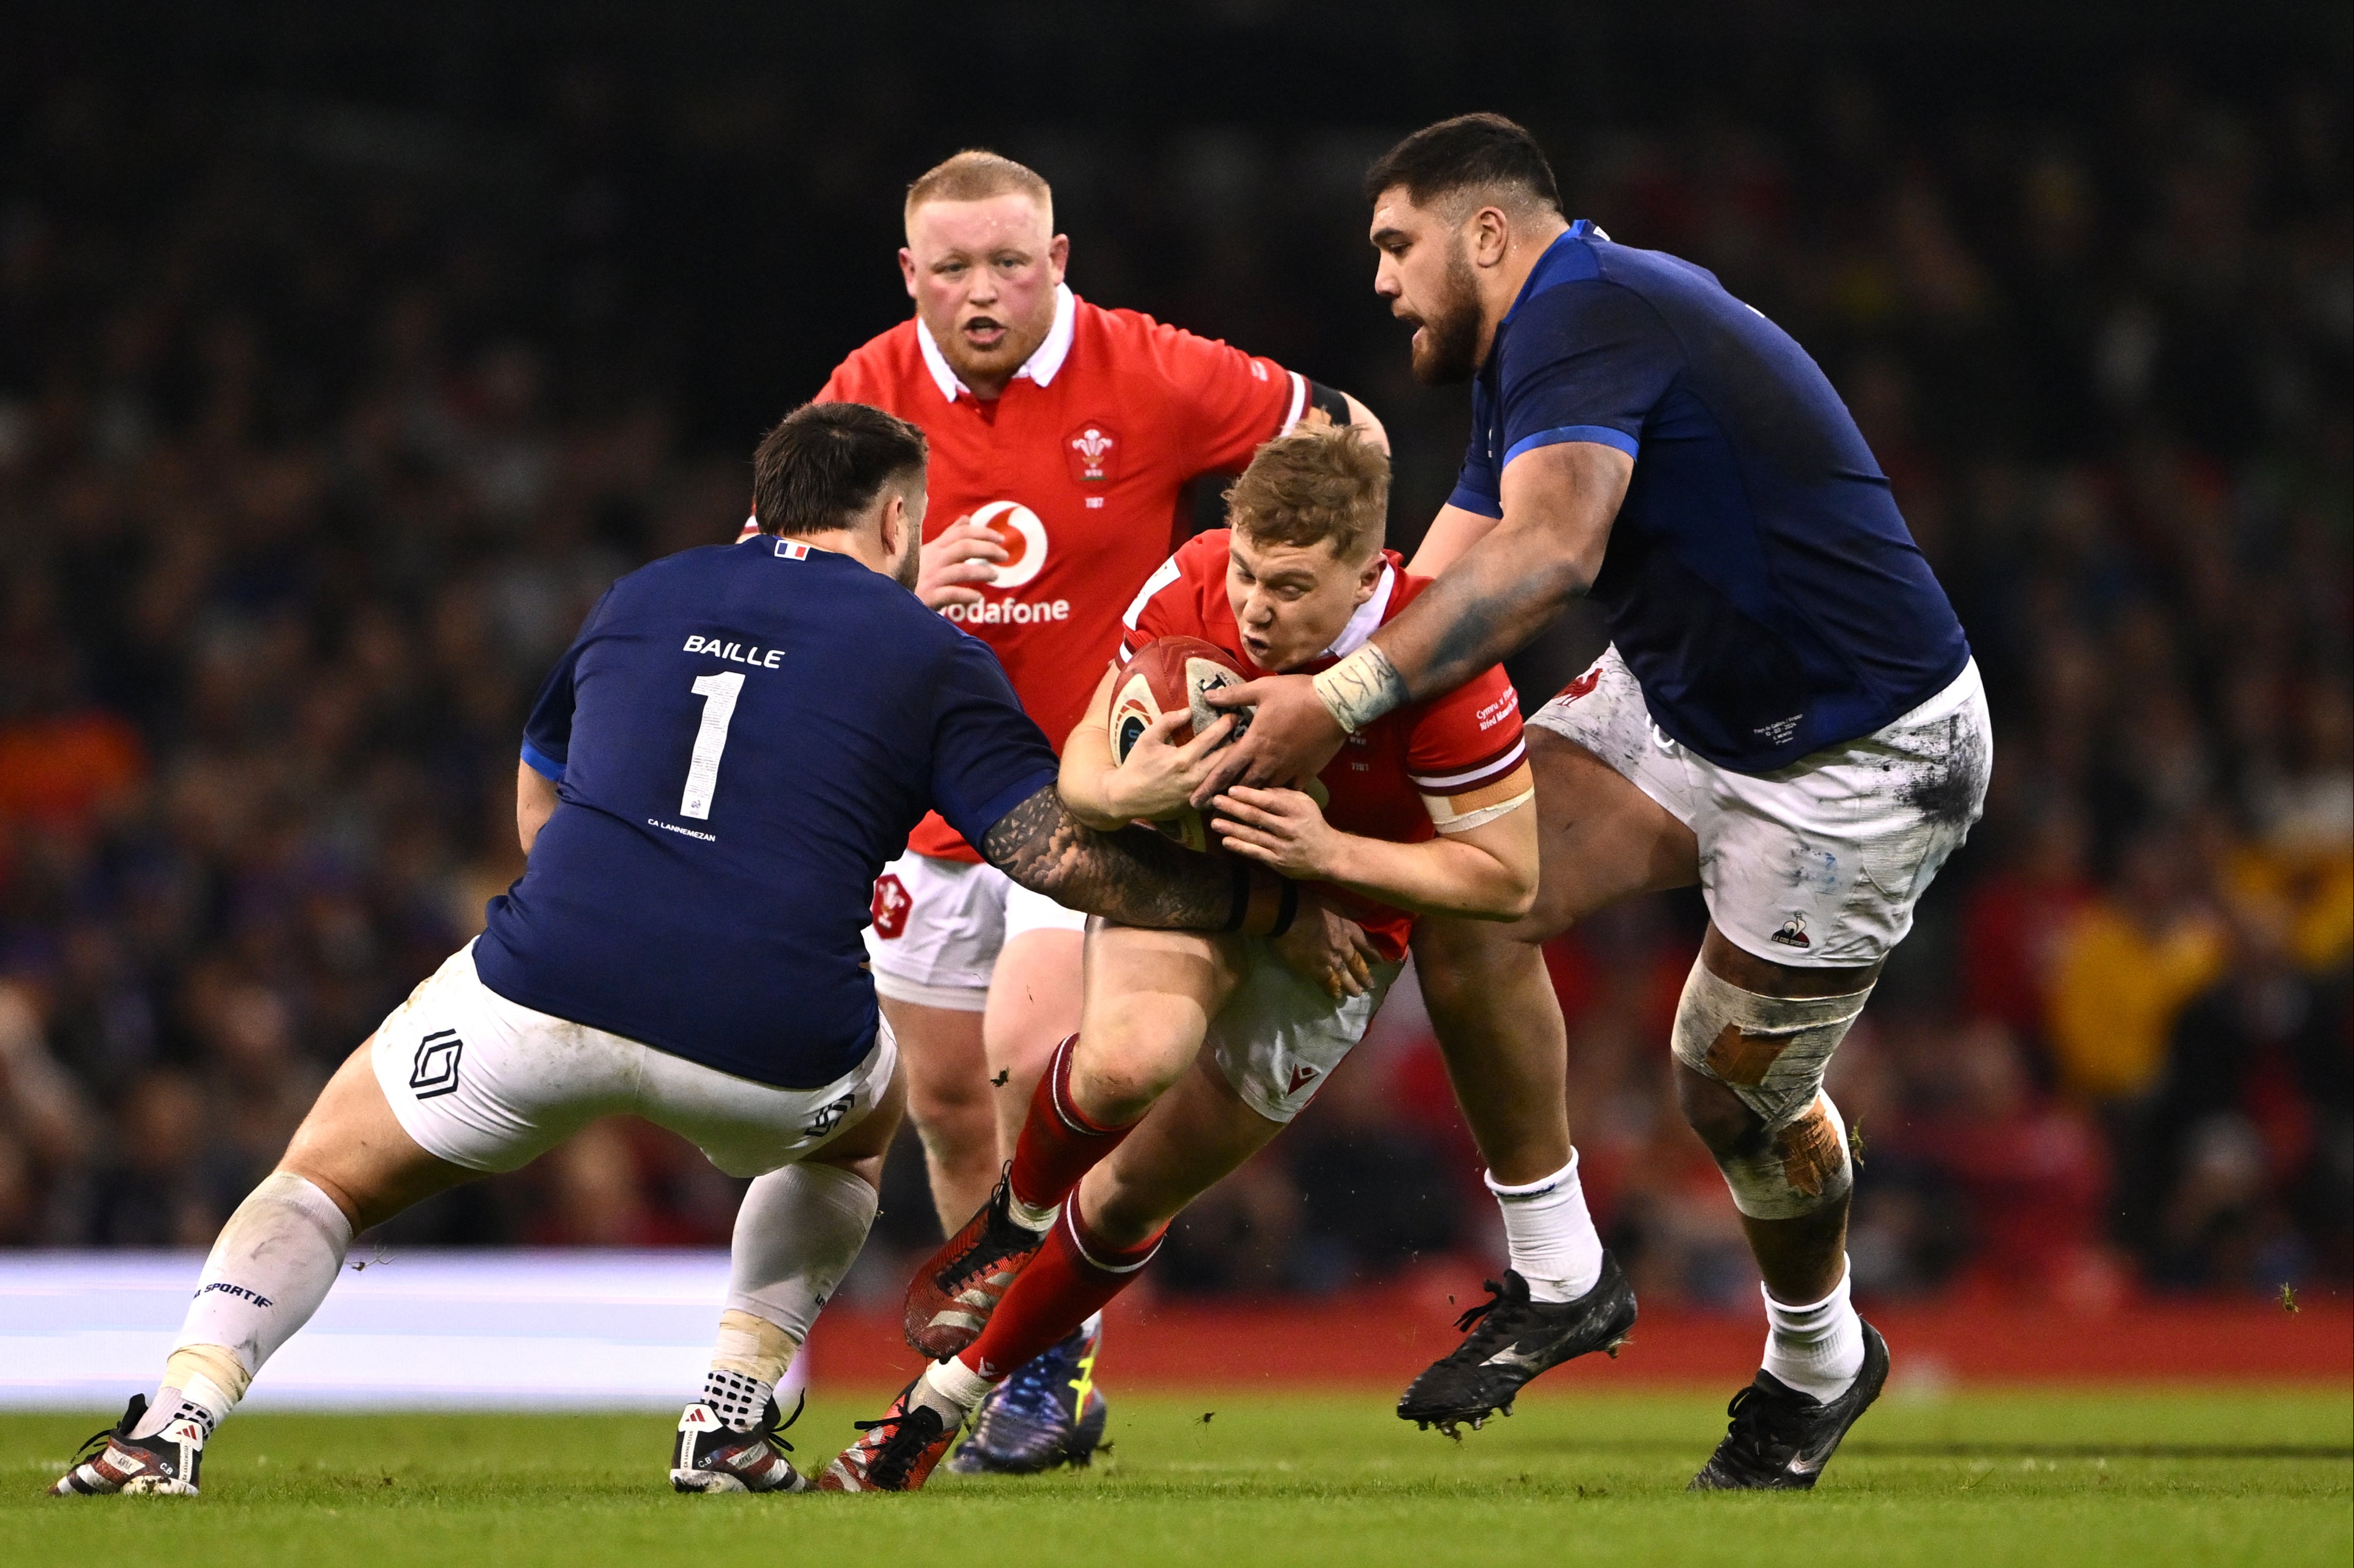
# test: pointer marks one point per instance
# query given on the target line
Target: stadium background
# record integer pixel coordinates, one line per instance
(346, 353)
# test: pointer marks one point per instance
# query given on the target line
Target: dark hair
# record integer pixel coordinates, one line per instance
(1320, 486)
(1469, 153)
(825, 462)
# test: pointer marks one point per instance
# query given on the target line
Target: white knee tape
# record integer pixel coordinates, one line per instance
(1772, 1052)
(1795, 1168)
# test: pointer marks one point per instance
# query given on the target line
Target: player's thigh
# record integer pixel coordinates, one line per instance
(1197, 1134)
(1149, 998)
(749, 1128)
(947, 1068)
(488, 1084)
(1600, 838)
(352, 1147)
(862, 1146)
(1034, 998)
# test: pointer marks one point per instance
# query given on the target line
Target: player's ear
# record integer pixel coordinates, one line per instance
(907, 270)
(1369, 577)
(1058, 256)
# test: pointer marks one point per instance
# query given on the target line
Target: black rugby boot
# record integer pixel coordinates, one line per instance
(1781, 1439)
(1510, 1340)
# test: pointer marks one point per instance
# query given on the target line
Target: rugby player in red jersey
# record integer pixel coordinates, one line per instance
(1195, 1051)
(1063, 437)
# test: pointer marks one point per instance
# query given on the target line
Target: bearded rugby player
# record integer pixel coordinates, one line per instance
(1063, 437)
(1788, 715)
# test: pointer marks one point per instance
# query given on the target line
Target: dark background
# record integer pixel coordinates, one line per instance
(345, 352)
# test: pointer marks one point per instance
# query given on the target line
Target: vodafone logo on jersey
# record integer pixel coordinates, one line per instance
(1023, 535)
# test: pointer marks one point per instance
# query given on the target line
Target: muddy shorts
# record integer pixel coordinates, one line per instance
(1818, 864)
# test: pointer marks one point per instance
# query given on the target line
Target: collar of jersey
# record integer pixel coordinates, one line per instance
(1367, 619)
(1041, 366)
(1540, 276)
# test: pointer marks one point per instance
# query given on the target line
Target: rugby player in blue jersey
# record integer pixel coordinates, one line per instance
(711, 779)
(1788, 715)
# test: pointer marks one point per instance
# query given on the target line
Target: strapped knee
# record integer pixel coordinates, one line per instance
(1771, 1053)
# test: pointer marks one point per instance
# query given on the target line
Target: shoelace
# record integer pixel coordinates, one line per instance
(1751, 1435)
(773, 1429)
(988, 1244)
(1493, 1326)
(898, 1452)
(95, 1443)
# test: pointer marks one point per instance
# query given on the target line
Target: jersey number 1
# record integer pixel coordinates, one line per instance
(719, 694)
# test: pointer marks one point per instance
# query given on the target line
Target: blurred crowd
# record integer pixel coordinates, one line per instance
(320, 429)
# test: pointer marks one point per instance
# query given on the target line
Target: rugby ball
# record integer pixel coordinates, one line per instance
(1173, 674)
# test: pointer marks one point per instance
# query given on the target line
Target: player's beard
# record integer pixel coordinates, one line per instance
(910, 568)
(1447, 349)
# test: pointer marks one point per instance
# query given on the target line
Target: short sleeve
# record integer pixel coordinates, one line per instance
(1227, 403)
(1583, 361)
(1170, 602)
(1467, 739)
(988, 756)
(547, 733)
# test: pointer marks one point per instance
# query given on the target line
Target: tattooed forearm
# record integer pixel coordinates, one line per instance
(1134, 876)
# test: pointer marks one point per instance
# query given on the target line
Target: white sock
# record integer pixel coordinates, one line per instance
(797, 1234)
(266, 1274)
(1817, 1349)
(953, 1388)
(1552, 1238)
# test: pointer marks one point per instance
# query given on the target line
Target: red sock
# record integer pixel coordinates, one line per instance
(1058, 1143)
(1066, 1282)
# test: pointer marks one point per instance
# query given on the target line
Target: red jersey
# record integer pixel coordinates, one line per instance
(1453, 744)
(1078, 466)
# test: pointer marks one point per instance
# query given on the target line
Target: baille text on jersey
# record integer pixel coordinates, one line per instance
(736, 653)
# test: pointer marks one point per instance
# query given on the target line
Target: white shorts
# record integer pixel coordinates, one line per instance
(1281, 1035)
(940, 924)
(491, 1085)
(1819, 864)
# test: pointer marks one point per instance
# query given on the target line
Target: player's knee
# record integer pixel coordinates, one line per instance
(1467, 964)
(1795, 1169)
(957, 1124)
(1124, 1063)
(1115, 1091)
(1750, 1083)
(1715, 1113)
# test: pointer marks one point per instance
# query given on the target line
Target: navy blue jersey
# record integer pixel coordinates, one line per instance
(741, 737)
(1759, 579)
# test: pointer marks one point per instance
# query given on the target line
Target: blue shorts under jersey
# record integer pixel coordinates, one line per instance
(1759, 579)
(741, 737)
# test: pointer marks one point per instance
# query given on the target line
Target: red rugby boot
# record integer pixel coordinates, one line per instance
(897, 1453)
(953, 1293)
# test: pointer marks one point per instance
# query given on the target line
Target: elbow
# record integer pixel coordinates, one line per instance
(1570, 575)
(1376, 434)
(1511, 902)
(1508, 894)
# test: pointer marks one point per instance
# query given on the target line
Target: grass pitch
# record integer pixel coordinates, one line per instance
(2114, 1478)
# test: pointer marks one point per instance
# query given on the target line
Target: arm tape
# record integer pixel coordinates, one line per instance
(1361, 688)
(1331, 399)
